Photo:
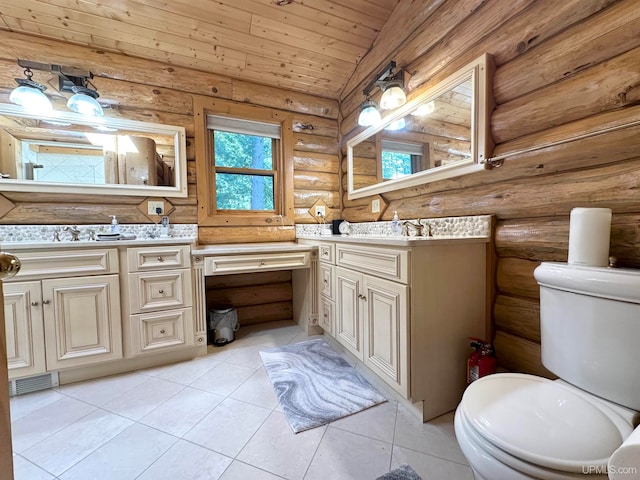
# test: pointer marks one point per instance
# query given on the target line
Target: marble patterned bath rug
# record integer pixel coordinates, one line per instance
(403, 472)
(315, 384)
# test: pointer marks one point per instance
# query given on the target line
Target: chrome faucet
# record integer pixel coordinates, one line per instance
(74, 231)
(418, 227)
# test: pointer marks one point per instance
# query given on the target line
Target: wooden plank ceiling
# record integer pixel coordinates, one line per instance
(311, 46)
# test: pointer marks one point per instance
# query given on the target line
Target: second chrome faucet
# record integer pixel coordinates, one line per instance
(420, 228)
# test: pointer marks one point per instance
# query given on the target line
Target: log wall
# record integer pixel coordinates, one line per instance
(563, 69)
(558, 75)
(152, 91)
(258, 297)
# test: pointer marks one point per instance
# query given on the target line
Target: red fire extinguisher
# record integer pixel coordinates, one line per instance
(482, 360)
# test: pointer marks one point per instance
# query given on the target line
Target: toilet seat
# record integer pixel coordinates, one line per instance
(543, 422)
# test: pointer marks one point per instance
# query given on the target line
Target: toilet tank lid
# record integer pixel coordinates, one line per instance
(606, 282)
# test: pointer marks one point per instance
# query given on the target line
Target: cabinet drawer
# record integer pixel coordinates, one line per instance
(158, 258)
(158, 331)
(326, 280)
(327, 253)
(67, 263)
(389, 263)
(326, 313)
(160, 290)
(255, 262)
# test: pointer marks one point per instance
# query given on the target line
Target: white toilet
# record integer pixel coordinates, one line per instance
(515, 426)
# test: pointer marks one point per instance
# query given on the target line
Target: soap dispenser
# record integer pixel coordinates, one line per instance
(115, 228)
(164, 227)
(395, 224)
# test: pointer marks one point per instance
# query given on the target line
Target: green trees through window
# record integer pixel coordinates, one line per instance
(396, 164)
(244, 170)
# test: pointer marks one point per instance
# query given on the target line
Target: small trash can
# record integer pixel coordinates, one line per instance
(223, 322)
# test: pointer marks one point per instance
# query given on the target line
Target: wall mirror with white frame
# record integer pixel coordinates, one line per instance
(67, 153)
(441, 132)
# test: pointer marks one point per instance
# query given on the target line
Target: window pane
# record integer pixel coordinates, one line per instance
(395, 165)
(238, 150)
(64, 168)
(244, 192)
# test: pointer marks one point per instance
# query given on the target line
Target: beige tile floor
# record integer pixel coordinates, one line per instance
(216, 417)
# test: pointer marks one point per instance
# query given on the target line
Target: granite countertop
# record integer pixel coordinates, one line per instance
(142, 242)
(240, 248)
(408, 241)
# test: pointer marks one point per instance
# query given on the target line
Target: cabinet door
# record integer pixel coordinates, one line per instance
(25, 333)
(81, 320)
(385, 346)
(348, 324)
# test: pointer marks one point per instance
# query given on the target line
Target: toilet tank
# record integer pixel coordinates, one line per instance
(590, 328)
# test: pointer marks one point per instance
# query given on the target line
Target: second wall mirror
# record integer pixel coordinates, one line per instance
(442, 132)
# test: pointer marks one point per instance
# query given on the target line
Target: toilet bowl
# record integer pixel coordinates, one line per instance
(515, 426)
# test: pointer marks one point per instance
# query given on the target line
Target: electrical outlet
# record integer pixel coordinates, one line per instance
(155, 207)
(375, 205)
(320, 211)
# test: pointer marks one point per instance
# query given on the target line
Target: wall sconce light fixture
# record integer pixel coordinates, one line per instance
(424, 109)
(398, 124)
(29, 94)
(393, 96)
(369, 114)
(84, 99)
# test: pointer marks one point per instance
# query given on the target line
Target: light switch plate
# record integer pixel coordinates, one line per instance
(320, 211)
(375, 205)
(153, 207)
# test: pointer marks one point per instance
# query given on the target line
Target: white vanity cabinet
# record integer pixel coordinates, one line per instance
(406, 311)
(372, 313)
(159, 300)
(63, 310)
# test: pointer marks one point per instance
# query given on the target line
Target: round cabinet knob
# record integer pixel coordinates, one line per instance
(160, 259)
(160, 291)
(45, 302)
(163, 331)
(34, 304)
(262, 263)
(9, 265)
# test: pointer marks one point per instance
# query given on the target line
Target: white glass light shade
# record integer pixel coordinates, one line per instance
(369, 115)
(31, 99)
(85, 104)
(393, 97)
(396, 125)
(424, 109)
